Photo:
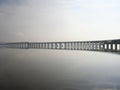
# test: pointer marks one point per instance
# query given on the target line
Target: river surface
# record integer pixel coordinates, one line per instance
(39, 69)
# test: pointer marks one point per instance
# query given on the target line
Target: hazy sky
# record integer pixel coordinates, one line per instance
(59, 20)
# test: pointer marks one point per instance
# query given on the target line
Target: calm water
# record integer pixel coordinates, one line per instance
(36, 69)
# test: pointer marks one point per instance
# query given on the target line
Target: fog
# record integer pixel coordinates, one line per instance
(59, 20)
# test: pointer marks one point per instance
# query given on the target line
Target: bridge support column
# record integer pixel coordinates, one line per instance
(82, 45)
(100, 46)
(39, 45)
(78, 45)
(60, 46)
(55, 45)
(69, 45)
(115, 47)
(107, 46)
(104, 46)
(88, 46)
(51, 45)
(47, 45)
(93, 46)
(72, 45)
(30, 45)
(119, 46)
(44, 45)
(96, 46)
(20, 45)
(33, 45)
(64, 45)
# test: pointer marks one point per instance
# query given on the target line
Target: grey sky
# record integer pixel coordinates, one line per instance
(59, 20)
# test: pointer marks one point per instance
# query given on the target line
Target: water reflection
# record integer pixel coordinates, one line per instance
(39, 69)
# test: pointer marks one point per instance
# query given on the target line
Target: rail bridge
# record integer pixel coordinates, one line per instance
(100, 45)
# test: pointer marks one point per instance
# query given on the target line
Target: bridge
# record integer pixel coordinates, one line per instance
(100, 45)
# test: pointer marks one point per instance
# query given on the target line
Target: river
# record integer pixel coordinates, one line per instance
(40, 69)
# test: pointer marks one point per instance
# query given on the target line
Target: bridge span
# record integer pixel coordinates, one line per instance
(101, 45)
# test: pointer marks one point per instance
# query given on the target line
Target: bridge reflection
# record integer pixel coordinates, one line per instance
(102, 45)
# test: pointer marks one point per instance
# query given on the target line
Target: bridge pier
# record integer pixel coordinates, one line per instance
(115, 47)
(56, 45)
(111, 46)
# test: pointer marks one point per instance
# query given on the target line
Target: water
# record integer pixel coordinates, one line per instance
(39, 69)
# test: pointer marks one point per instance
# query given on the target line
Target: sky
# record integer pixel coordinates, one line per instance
(59, 20)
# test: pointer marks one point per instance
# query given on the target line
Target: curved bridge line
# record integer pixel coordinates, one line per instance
(103, 45)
